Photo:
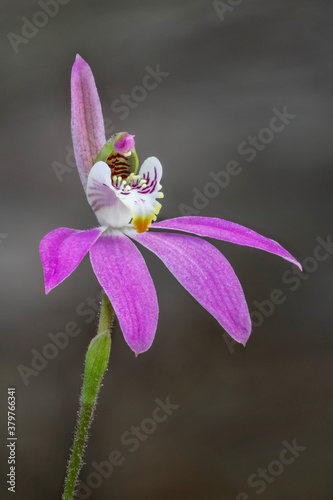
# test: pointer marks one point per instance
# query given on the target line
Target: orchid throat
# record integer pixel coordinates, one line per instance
(117, 192)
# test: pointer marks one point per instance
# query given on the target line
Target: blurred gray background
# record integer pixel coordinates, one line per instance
(236, 406)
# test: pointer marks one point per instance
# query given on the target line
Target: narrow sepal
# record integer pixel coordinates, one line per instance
(123, 274)
(207, 275)
(225, 230)
(62, 250)
(88, 131)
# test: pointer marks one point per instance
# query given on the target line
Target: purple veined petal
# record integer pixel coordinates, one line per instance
(207, 275)
(123, 274)
(212, 227)
(62, 250)
(103, 199)
(142, 201)
(88, 131)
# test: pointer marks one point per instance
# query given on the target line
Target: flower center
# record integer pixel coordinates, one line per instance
(126, 184)
(139, 193)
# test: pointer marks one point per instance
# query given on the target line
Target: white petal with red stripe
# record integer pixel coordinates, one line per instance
(141, 195)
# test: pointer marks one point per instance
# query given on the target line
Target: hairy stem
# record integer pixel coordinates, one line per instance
(96, 362)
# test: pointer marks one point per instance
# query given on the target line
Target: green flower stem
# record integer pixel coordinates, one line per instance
(97, 358)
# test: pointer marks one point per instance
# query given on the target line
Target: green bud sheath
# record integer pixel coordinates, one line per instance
(98, 354)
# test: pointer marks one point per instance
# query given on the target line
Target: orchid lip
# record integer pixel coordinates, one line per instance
(118, 196)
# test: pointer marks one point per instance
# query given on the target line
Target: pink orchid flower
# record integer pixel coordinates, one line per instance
(125, 204)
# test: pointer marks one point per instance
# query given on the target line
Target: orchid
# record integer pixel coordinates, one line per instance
(125, 198)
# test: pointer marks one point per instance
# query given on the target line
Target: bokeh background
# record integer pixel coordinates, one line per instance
(236, 405)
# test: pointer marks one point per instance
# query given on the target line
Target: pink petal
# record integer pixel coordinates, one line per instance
(87, 119)
(123, 274)
(62, 250)
(220, 229)
(207, 275)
